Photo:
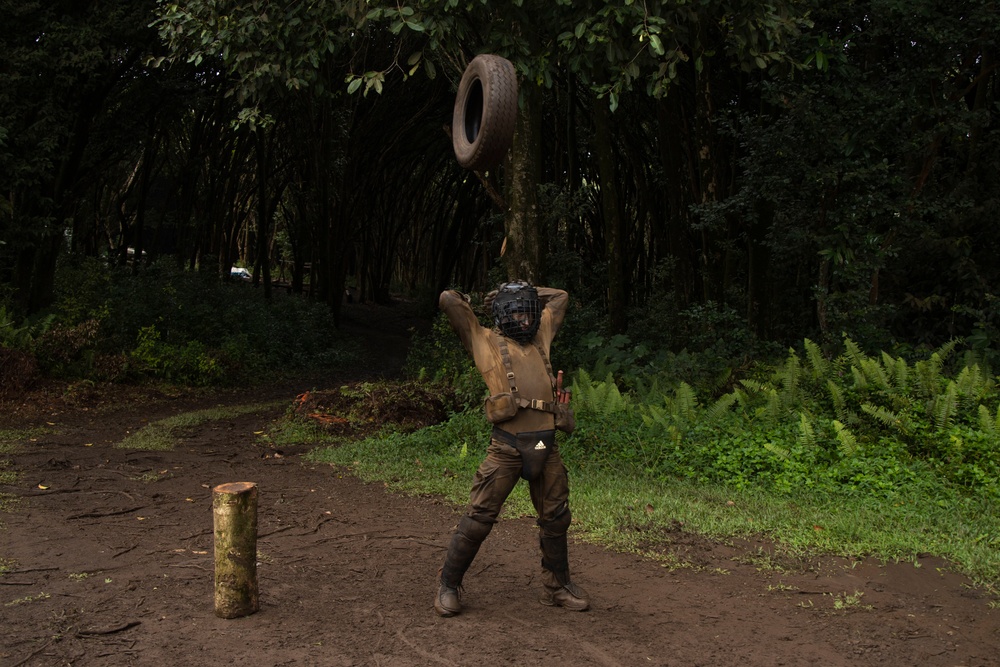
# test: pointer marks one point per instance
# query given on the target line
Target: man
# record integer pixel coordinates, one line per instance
(526, 405)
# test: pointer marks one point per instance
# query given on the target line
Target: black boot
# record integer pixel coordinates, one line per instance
(559, 591)
(461, 552)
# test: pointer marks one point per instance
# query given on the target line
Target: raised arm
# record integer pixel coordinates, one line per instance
(460, 314)
(554, 304)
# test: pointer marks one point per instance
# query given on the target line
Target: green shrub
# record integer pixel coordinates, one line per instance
(854, 425)
(439, 356)
(189, 364)
(181, 326)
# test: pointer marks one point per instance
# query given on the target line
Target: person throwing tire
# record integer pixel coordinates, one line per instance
(526, 405)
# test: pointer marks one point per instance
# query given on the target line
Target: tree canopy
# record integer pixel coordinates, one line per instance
(791, 168)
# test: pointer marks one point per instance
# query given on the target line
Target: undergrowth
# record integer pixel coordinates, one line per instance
(167, 324)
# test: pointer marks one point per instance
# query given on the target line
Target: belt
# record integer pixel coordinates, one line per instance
(503, 436)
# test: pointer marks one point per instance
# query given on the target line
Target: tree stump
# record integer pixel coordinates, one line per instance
(234, 507)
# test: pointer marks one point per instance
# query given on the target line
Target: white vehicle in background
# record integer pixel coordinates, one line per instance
(241, 273)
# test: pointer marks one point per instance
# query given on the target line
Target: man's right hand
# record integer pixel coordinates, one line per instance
(488, 300)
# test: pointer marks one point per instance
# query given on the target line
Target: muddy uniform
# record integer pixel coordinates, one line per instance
(502, 468)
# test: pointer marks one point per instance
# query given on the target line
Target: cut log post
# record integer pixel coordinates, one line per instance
(234, 507)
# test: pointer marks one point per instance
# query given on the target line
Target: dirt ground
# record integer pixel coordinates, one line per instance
(112, 565)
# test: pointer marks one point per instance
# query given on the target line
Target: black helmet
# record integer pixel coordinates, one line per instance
(513, 301)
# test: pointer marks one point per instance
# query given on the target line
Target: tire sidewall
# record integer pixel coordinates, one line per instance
(498, 82)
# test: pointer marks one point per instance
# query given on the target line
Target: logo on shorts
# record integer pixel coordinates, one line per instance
(540, 445)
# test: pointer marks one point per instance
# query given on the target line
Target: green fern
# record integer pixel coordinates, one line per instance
(718, 410)
(817, 362)
(897, 371)
(848, 443)
(681, 408)
(807, 435)
(655, 417)
(929, 370)
(860, 381)
(853, 352)
(888, 418)
(944, 407)
(875, 373)
(837, 396)
(601, 398)
(774, 409)
(685, 402)
(778, 450)
(973, 385)
(789, 378)
(988, 423)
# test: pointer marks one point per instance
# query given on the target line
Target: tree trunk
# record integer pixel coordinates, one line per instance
(523, 256)
(758, 265)
(234, 507)
(614, 236)
(711, 260)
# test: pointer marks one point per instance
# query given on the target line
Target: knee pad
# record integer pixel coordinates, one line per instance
(474, 531)
(557, 525)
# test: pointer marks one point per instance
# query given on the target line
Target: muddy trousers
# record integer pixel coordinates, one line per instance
(493, 483)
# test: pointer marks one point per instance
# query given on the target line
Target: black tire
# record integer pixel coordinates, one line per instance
(482, 126)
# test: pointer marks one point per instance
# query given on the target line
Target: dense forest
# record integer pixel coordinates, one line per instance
(768, 171)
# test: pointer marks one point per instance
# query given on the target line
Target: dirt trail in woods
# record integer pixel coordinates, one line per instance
(112, 565)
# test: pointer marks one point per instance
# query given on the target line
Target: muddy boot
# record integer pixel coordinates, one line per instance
(447, 603)
(559, 590)
(461, 552)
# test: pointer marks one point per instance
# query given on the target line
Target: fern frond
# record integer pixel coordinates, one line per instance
(897, 372)
(973, 386)
(860, 381)
(717, 410)
(742, 397)
(773, 410)
(944, 407)
(837, 396)
(987, 424)
(789, 377)
(929, 370)
(753, 386)
(848, 443)
(654, 416)
(902, 375)
(887, 417)
(854, 352)
(807, 436)
(817, 362)
(777, 450)
(685, 402)
(602, 398)
(874, 373)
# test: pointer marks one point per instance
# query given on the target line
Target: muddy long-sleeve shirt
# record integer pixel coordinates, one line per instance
(530, 374)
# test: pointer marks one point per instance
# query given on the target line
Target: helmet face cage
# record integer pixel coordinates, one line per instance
(517, 311)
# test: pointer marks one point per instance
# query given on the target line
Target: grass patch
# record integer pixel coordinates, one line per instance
(163, 434)
(629, 511)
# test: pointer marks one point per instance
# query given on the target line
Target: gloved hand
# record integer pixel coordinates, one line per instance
(488, 300)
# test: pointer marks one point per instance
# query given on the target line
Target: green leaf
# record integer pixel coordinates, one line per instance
(656, 44)
(354, 85)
